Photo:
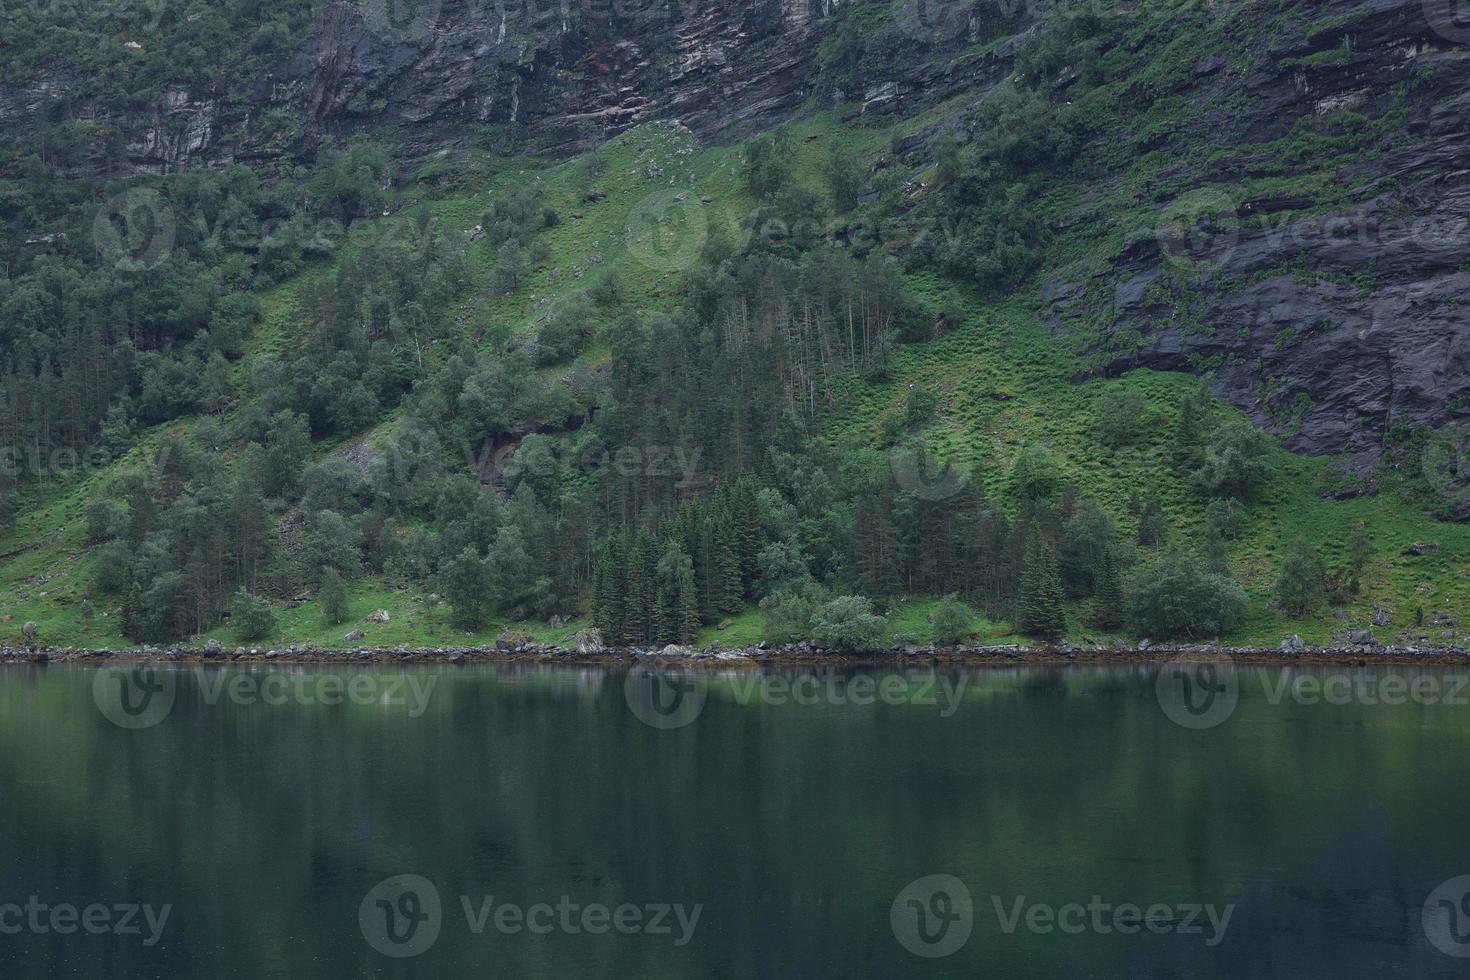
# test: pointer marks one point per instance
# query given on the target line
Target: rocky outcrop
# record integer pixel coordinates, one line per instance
(1334, 325)
(566, 72)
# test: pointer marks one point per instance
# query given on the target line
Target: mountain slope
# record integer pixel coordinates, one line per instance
(1230, 215)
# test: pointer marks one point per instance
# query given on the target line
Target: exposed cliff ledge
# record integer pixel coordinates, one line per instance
(1332, 325)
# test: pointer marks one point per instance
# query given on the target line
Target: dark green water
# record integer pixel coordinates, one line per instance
(264, 819)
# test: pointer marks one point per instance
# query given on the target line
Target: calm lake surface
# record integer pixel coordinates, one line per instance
(569, 823)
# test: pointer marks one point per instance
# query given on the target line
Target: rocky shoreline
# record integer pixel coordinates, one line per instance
(1291, 652)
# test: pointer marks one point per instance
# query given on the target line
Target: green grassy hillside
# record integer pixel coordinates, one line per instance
(1002, 382)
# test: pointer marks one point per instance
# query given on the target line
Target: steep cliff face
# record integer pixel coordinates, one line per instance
(1335, 318)
(565, 71)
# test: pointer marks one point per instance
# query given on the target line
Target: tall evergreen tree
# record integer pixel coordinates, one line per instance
(1107, 598)
(1039, 609)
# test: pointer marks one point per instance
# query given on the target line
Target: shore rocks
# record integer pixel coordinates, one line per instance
(589, 641)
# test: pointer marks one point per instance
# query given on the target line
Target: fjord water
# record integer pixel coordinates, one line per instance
(792, 817)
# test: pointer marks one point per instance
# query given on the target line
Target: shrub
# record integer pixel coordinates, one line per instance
(1235, 461)
(254, 619)
(1174, 595)
(1225, 517)
(333, 597)
(954, 622)
(849, 622)
(1300, 584)
(785, 617)
(1120, 416)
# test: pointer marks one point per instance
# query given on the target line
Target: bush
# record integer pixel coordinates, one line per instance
(785, 617)
(1036, 475)
(106, 519)
(848, 622)
(1303, 577)
(1120, 416)
(1175, 595)
(954, 622)
(1235, 461)
(254, 619)
(1225, 517)
(767, 165)
(565, 333)
(333, 597)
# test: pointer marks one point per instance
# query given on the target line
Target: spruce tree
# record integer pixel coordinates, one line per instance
(746, 513)
(609, 595)
(727, 566)
(1107, 599)
(1039, 606)
(638, 616)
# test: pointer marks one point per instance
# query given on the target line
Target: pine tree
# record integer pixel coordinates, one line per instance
(1039, 606)
(1107, 599)
(730, 591)
(638, 606)
(609, 596)
(746, 514)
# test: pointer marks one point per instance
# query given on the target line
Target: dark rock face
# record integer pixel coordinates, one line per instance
(568, 73)
(1337, 327)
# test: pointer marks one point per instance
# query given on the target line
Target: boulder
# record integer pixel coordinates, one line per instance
(213, 648)
(1292, 644)
(674, 650)
(28, 633)
(378, 616)
(589, 641)
(354, 636)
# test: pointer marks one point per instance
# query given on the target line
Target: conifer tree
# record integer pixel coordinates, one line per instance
(745, 508)
(1107, 599)
(1039, 609)
(727, 566)
(609, 593)
(638, 606)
